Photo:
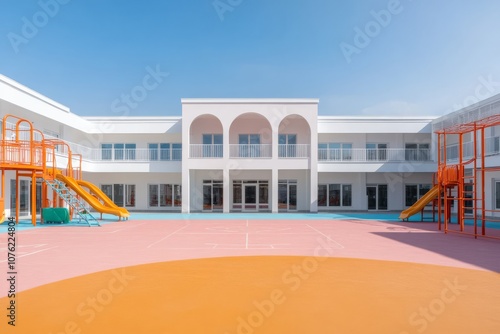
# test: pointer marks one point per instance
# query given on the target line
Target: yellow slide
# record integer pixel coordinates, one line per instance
(420, 204)
(94, 202)
(95, 190)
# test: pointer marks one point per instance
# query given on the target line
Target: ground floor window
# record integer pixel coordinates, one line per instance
(120, 194)
(164, 195)
(287, 195)
(414, 191)
(251, 195)
(332, 195)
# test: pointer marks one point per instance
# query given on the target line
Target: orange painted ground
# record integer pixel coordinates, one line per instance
(265, 294)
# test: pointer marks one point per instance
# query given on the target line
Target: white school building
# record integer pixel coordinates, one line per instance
(246, 155)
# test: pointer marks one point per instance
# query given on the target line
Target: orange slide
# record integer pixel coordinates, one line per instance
(94, 202)
(420, 204)
(95, 190)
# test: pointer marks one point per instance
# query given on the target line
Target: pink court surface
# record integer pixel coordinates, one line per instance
(252, 276)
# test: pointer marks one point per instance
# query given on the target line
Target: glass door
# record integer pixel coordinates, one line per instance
(250, 197)
(207, 197)
(292, 197)
(287, 195)
(213, 196)
(377, 197)
(371, 194)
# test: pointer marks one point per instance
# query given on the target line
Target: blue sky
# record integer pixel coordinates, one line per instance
(370, 57)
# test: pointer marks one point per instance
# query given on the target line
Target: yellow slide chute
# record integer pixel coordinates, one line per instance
(95, 190)
(94, 202)
(420, 204)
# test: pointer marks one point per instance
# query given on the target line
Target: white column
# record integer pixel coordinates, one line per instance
(274, 190)
(226, 185)
(186, 190)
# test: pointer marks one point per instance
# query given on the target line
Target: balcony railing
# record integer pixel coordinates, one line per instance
(492, 147)
(251, 151)
(294, 151)
(374, 155)
(138, 154)
(205, 151)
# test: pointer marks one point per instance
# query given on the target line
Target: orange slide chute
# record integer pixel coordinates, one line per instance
(420, 204)
(93, 201)
(101, 195)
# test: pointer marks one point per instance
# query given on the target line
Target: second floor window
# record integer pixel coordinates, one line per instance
(334, 151)
(212, 145)
(417, 152)
(249, 145)
(165, 151)
(376, 151)
(287, 145)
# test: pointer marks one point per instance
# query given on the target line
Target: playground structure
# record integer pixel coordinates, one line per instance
(26, 151)
(462, 182)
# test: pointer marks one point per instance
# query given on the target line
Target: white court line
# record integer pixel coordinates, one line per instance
(154, 243)
(38, 251)
(326, 236)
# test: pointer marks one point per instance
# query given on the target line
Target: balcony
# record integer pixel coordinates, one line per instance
(250, 151)
(200, 151)
(492, 147)
(294, 151)
(138, 154)
(374, 155)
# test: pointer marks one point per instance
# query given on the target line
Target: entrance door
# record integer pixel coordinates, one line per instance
(250, 197)
(207, 197)
(377, 197)
(371, 194)
(287, 195)
(213, 199)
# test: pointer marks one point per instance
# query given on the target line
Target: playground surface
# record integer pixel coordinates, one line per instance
(255, 273)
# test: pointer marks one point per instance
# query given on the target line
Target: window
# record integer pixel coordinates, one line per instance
(129, 151)
(212, 145)
(346, 195)
(164, 195)
(417, 152)
(153, 195)
(177, 151)
(249, 145)
(106, 151)
(322, 194)
(130, 195)
(120, 194)
(413, 192)
(376, 151)
(287, 145)
(322, 151)
(334, 195)
(153, 152)
(335, 151)
(165, 151)
(120, 151)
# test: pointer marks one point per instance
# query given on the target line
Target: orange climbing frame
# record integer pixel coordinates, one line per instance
(464, 182)
(25, 150)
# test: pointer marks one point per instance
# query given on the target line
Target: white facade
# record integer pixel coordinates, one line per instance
(232, 155)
